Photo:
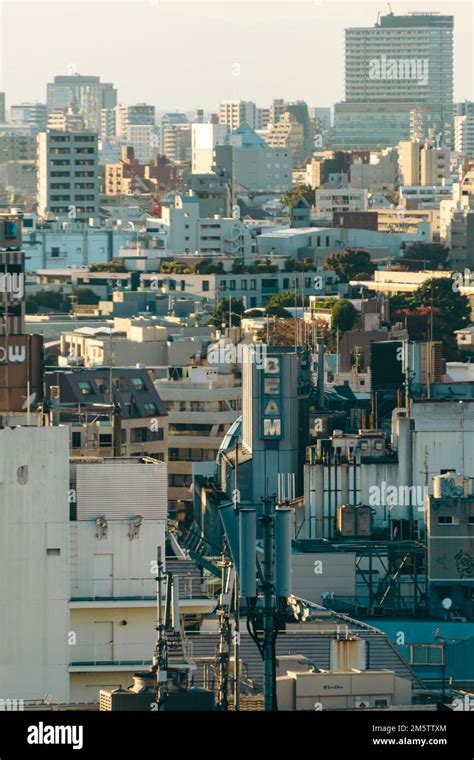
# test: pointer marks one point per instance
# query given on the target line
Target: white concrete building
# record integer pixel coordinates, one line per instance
(73, 245)
(464, 134)
(180, 230)
(120, 517)
(177, 226)
(34, 563)
(327, 240)
(331, 200)
(204, 138)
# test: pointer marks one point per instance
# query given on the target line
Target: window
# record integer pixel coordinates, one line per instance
(205, 286)
(243, 284)
(76, 440)
(426, 654)
(138, 383)
(253, 284)
(85, 387)
(448, 520)
(105, 440)
(471, 520)
(180, 480)
(53, 552)
(55, 252)
(149, 407)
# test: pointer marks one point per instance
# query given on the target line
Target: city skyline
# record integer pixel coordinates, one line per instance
(215, 63)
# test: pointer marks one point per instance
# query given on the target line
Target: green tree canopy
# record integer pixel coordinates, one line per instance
(107, 266)
(343, 315)
(351, 264)
(220, 315)
(439, 293)
(420, 256)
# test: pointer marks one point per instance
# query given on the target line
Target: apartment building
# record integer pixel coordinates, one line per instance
(204, 138)
(130, 175)
(126, 418)
(345, 199)
(464, 134)
(202, 404)
(253, 289)
(233, 113)
(68, 176)
(177, 143)
(17, 145)
(423, 163)
(287, 133)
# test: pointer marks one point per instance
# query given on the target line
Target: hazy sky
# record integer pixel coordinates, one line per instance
(181, 55)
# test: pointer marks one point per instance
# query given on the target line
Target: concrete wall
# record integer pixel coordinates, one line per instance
(34, 562)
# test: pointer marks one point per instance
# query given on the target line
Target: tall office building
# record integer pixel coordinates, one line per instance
(86, 95)
(400, 67)
(68, 175)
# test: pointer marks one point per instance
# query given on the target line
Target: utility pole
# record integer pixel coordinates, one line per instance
(236, 594)
(223, 650)
(269, 633)
(160, 659)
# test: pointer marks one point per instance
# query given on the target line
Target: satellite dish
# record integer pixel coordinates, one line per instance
(447, 603)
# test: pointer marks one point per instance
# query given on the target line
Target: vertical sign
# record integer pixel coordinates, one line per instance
(272, 398)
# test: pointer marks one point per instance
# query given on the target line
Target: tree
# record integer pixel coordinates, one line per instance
(438, 293)
(278, 301)
(174, 267)
(293, 265)
(86, 296)
(343, 315)
(208, 267)
(352, 264)
(420, 256)
(220, 315)
(47, 300)
(107, 266)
